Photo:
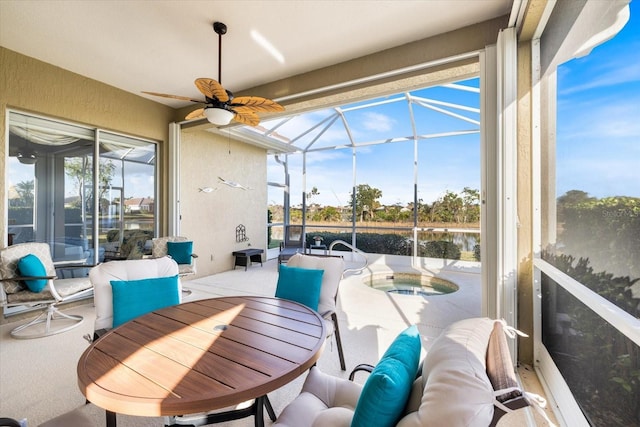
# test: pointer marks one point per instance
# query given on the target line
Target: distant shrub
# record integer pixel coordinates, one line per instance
(476, 252)
(439, 249)
(391, 244)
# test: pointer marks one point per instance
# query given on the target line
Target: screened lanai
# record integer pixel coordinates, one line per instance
(406, 164)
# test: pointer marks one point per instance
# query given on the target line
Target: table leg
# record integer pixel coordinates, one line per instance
(111, 419)
(259, 412)
(270, 411)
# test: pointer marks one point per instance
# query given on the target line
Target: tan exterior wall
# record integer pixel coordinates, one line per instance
(525, 204)
(30, 85)
(210, 219)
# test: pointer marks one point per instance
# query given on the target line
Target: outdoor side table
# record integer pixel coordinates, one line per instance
(323, 247)
(246, 257)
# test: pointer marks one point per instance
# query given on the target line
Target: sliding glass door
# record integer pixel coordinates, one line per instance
(55, 190)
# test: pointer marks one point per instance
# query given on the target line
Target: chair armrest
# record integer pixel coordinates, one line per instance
(361, 367)
(20, 278)
(61, 264)
(327, 314)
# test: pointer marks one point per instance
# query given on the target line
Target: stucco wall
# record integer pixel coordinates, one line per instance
(30, 85)
(211, 218)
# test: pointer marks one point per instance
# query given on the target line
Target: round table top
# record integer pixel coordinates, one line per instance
(201, 356)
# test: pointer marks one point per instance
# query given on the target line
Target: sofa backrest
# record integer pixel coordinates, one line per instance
(102, 275)
(454, 388)
(333, 268)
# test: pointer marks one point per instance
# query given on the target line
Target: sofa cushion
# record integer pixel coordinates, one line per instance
(180, 251)
(456, 390)
(31, 266)
(387, 388)
(300, 284)
(134, 298)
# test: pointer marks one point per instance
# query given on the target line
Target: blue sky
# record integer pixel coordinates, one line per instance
(598, 149)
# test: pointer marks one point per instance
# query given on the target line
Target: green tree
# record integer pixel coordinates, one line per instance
(574, 197)
(471, 205)
(80, 169)
(25, 190)
(447, 208)
(328, 213)
(366, 201)
(314, 192)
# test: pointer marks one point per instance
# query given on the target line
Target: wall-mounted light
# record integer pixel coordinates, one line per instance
(27, 158)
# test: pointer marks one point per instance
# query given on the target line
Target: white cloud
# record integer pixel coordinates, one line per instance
(377, 122)
(602, 74)
(601, 119)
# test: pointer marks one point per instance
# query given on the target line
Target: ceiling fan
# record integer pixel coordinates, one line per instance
(220, 105)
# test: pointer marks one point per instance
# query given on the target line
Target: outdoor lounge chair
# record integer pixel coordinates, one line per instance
(292, 244)
(181, 251)
(37, 286)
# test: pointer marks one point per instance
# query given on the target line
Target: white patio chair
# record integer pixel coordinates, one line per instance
(333, 268)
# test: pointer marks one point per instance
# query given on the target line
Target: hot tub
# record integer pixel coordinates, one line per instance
(410, 284)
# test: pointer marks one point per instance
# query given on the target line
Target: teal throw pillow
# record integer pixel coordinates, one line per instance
(386, 391)
(180, 251)
(31, 266)
(134, 298)
(300, 284)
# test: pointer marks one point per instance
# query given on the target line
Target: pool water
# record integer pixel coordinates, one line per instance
(411, 284)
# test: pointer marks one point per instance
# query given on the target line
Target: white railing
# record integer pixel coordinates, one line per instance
(354, 250)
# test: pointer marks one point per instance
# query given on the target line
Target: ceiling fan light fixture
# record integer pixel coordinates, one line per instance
(218, 116)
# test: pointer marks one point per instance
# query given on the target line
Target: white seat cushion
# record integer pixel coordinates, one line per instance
(325, 401)
(102, 275)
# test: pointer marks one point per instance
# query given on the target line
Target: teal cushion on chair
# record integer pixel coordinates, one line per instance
(134, 298)
(31, 266)
(300, 284)
(180, 251)
(385, 393)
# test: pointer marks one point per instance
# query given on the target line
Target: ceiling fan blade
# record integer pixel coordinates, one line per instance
(256, 103)
(195, 114)
(212, 89)
(246, 118)
(182, 98)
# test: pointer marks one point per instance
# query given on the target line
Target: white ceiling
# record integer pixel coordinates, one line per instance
(163, 46)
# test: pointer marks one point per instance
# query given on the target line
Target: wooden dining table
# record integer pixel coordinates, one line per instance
(202, 356)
